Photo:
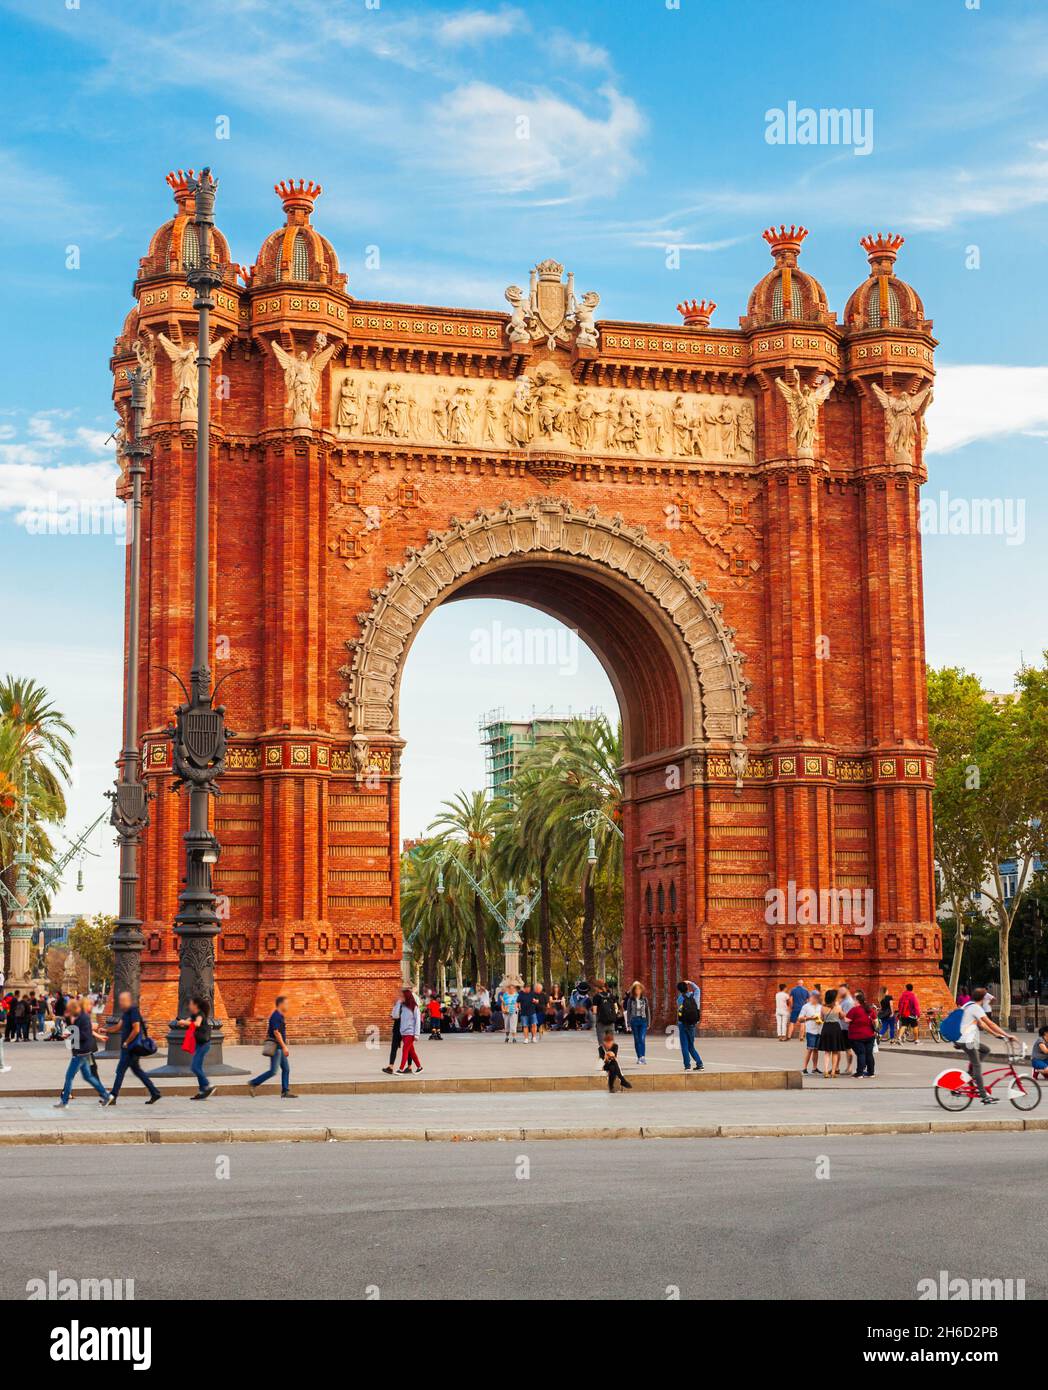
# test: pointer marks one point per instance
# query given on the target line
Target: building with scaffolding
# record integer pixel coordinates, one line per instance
(507, 741)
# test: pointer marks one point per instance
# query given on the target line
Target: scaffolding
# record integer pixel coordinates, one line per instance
(506, 741)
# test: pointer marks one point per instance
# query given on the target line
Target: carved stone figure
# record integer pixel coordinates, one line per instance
(655, 420)
(745, 432)
(183, 360)
(584, 310)
(551, 403)
(802, 405)
(551, 313)
(440, 414)
(373, 410)
(489, 433)
(901, 414)
(583, 424)
(347, 409)
(145, 351)
(683, 437)
(395, 418)
(517, 328)
(302, 379)
(460, 416)
(520, 414)
(627, 425)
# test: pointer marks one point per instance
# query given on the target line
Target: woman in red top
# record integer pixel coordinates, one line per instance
(862, 1027)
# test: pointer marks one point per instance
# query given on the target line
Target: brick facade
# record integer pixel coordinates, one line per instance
(333, 537)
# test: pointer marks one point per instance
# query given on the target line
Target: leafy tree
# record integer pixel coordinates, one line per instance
(564, 776)
(90, 941)
(991, 798)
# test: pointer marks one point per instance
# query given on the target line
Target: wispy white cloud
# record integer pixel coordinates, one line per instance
(479, 26)
(515, 144)
(986, 402)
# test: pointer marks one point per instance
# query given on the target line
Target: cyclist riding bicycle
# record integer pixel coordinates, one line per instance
(976, 1019)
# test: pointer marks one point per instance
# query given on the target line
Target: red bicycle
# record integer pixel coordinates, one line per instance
(955, 1090)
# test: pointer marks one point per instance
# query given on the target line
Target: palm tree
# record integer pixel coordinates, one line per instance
(563, 777)
(465, 831)
(30, 726)
(435, 924)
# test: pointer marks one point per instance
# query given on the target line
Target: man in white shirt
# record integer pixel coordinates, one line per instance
(974, 1020)
(810, 1022)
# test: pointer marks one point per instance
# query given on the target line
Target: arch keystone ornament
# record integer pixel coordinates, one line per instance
(541, 529)
(685, 498)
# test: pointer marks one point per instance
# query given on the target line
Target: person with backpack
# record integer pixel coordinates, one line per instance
(886, 1017)
(603, 1005)
(135, 1043)
(198, 1024)
(85, 1045)
(975, 1019)
(688, 1014)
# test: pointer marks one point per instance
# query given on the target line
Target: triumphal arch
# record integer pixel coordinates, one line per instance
(728, 515)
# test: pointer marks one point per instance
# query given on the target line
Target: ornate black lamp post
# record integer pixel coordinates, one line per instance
(199, 732)
(130, 814)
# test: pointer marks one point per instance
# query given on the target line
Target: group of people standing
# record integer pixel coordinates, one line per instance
(836, 1026)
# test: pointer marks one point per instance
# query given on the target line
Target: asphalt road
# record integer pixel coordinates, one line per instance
(631, 1219)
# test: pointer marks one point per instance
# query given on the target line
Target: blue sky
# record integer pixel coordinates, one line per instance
(645, 126)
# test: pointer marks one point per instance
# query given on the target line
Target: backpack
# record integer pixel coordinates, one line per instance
(950, 1027)
(688, 1010)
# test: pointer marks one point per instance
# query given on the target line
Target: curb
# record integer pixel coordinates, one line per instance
(322, 1134)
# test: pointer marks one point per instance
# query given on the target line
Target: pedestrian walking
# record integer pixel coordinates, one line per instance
(862, 1029)
(688, 1014)
(85, 1045)
(886, 1017)
(910, 1014)
(135, 1044)
(394, 1042)
(3, 1026)
(602, 1004)
(410, 1026)
(782, 1013)
(798, 998)
(639, 1019)
(610, 1052)
(541, 1003)
(198, 1035)
(810, 1019)
(831, 1036)
(276, 1049)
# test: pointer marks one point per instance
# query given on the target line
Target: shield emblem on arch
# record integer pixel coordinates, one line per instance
(551, 303)
(202, 734)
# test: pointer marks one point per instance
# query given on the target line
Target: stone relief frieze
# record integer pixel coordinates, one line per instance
(542, 409)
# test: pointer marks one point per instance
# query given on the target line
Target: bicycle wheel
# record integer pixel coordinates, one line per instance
(1025, 1093)
(953, 1101)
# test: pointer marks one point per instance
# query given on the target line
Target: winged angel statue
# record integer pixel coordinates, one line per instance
(802, 403)
(302, 378)
(901, 414)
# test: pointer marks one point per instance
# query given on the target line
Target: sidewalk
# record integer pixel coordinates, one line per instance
(479, 1088)
(485, 1061)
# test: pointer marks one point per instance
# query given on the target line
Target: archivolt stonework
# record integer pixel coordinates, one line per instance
(544, 529)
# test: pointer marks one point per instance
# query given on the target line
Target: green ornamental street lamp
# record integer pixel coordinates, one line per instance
(199, 732)
(510, 922)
